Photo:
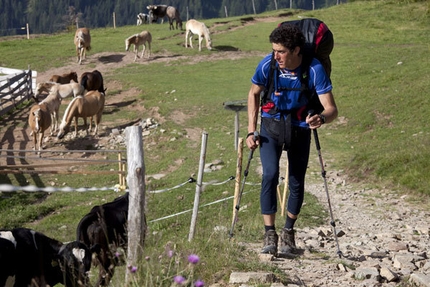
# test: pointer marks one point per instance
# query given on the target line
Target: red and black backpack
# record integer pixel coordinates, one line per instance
(318, 44)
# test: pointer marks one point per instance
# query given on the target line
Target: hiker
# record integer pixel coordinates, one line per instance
(286, 125)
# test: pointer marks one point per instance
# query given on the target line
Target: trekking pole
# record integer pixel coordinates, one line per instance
(245, 173)
(323, 174)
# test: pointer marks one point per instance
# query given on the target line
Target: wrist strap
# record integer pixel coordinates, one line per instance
(250, 134)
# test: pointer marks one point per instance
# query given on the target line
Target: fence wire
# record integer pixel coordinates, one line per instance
(116, 188)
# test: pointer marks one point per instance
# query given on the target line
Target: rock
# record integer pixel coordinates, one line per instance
(420, 280)
(389, 275)
(386, 241)
(246, 277)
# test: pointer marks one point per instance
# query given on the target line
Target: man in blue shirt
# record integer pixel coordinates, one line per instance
(286, 125)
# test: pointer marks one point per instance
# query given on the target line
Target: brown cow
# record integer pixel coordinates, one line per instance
(82, 42)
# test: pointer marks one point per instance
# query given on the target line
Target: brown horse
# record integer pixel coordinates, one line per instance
(173, 14)
(65, 78)
(82, 42)
(92, 81)
(139, 40)
(92, 104)
(39, 121)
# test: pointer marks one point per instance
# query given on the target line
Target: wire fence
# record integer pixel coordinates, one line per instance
(117, 188)
(55, 161)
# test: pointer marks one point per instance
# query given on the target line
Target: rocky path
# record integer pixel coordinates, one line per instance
(383, 238)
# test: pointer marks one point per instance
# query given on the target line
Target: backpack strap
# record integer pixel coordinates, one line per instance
(267, 103)
(311, 94)
(271, 80)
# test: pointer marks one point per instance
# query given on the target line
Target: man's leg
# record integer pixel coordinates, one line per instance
(270, 154)
(298, 157)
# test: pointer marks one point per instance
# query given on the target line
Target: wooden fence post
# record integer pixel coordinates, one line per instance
(198, 186)
(28, 31)
(238, 176)
(136, 223)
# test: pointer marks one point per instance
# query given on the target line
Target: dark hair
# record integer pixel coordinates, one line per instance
(289, 36)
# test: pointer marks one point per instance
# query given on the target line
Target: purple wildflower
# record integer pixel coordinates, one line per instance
(199, 283)
(179, 279)
(133, 269)
(170, 253)
(193, 259)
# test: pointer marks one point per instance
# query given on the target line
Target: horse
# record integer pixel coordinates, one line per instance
(65, 90)
(82, 42)
(173, 14)
(137, 40)
(157, 11)
(43, 88)
(142, 18)
(53, 102)
(39, 121)
(92, 104)
(65, 78)
(92, 81)
(195, 27)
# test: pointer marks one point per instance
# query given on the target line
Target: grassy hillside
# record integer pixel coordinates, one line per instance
(380, 79)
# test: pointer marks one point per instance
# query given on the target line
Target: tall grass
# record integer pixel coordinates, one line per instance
(381, 138)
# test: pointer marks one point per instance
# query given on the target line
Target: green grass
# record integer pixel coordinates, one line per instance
(381, 137)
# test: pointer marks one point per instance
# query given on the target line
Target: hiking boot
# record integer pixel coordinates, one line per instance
(288, 244)
(270, 242)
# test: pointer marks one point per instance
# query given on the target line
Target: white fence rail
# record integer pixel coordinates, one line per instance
(16, 86)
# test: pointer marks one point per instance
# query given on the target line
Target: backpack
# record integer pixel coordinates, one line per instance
(318, 44)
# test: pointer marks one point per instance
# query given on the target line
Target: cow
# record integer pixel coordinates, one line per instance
(8, 261)
(36, 260)
(106, 226)
(157, 11)
(142, 18)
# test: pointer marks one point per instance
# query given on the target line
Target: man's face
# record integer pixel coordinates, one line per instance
(286, 58)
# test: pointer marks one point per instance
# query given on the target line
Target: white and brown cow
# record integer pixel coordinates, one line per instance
(105, 226)
(31, 258)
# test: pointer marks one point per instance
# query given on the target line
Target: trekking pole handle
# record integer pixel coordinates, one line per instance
(251, 154)
(255, 136)
(317, 141)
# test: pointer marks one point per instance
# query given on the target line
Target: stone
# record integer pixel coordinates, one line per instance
(247, 277)
(389, 275)
(420, 280)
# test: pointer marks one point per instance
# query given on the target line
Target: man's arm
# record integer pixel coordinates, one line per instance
(253, 110)
(330, 111)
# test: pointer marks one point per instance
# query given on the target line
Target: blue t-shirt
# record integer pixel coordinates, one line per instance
(290, 99)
